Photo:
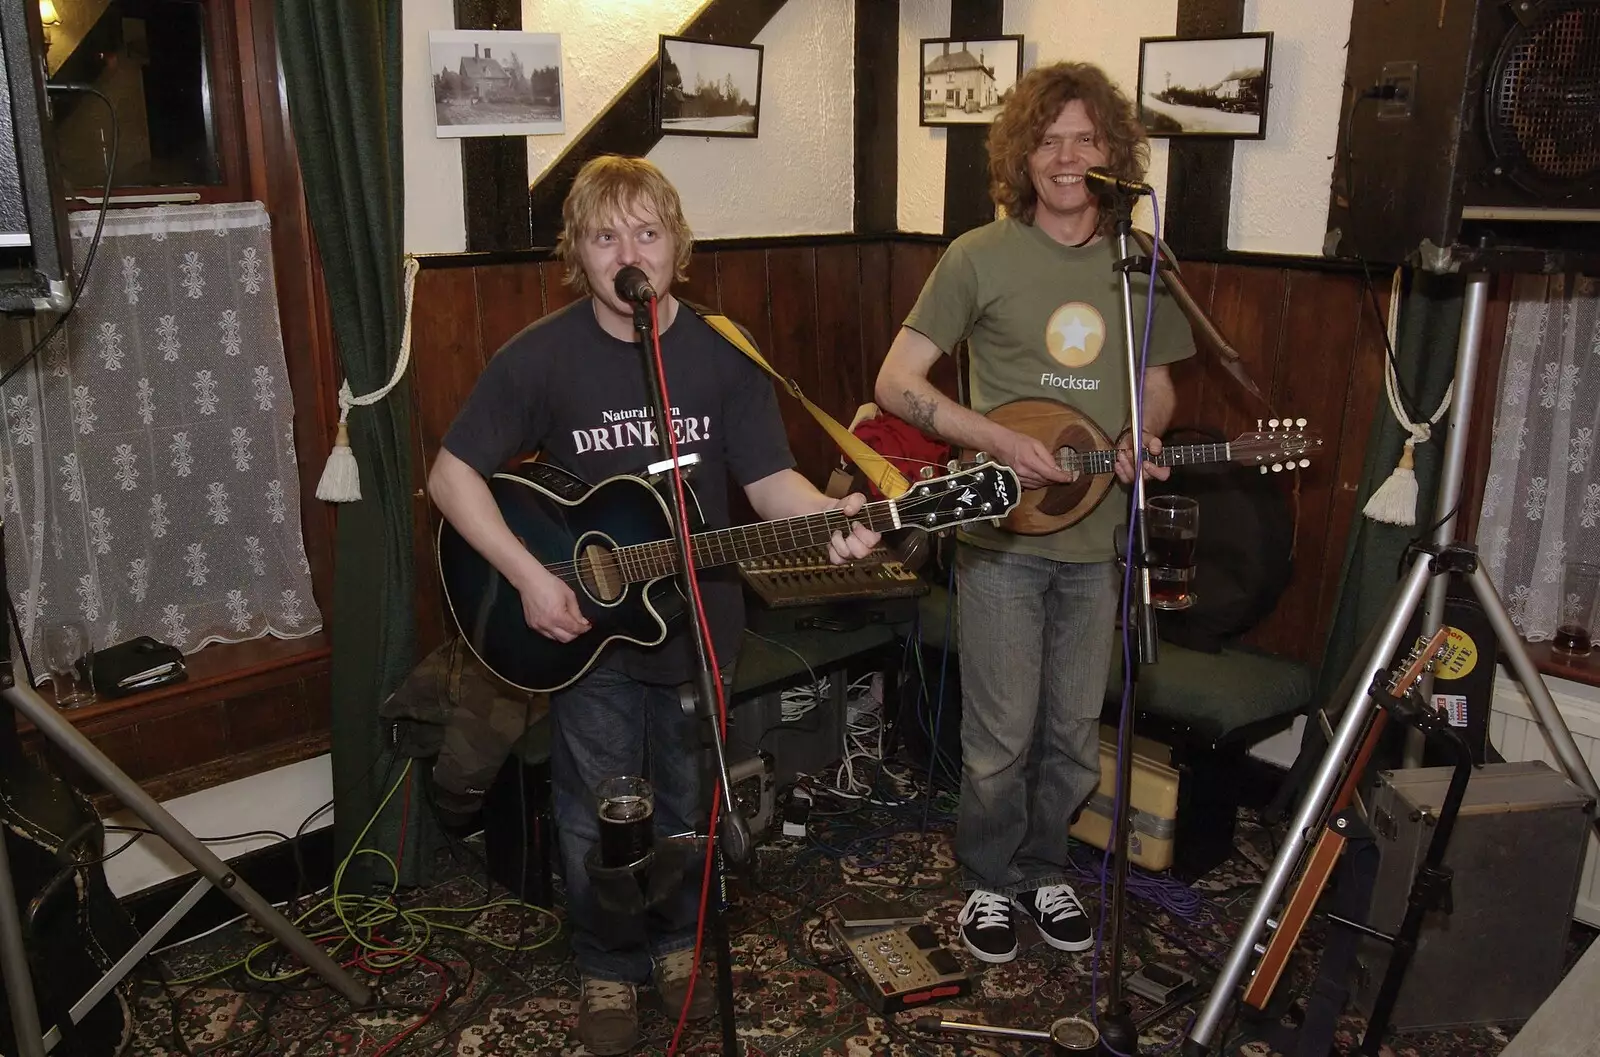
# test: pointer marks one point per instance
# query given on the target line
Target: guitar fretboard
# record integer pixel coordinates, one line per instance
(647, 561)
(1105, 460)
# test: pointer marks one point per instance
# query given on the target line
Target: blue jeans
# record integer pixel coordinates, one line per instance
(1035, 640)
(606, 725)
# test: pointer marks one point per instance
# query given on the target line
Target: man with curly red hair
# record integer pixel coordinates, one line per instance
(1035, 298)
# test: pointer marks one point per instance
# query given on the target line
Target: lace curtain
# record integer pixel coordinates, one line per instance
(1541, 501)
(150, 483)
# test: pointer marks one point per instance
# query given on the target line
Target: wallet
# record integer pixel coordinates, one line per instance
(128, 667)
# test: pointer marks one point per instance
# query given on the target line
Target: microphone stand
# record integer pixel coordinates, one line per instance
(1118, 1035)
(734, 843)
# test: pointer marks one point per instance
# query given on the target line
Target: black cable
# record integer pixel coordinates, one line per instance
(94, 243)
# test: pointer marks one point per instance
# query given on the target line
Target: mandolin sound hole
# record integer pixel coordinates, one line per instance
(600, 573)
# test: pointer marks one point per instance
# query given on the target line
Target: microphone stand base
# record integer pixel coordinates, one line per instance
(1118, 1035)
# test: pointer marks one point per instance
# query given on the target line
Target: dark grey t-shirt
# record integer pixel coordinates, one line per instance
(565, 387)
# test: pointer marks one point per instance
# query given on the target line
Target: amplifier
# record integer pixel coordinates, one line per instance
(805, 590)
(903, 967)
(1517, 856)
(1153, 818)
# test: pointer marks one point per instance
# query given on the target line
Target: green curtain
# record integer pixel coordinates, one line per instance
(1429, 331)
(342, 68)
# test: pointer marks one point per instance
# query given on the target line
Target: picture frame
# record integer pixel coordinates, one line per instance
(707, 88)
(496, 83)
(966, 80)
(1205, 87)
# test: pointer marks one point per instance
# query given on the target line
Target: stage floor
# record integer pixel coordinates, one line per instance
(793, 998)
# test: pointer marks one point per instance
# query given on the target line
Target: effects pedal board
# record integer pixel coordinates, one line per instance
(903, 966)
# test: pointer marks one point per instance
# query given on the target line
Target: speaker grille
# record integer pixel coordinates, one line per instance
(1543, 98)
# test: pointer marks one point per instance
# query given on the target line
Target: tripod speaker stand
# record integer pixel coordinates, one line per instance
(1426, 574)
(31, 1041)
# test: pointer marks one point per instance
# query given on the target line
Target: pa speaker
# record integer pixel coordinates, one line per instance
(35, 254)
(1470, 136)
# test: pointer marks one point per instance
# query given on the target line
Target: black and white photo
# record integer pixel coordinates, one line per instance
(492, 83)
(1215, 86)
(709, 89)
(966, 82)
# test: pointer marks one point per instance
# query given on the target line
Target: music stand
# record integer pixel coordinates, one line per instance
(13, 955)
(1426, 573)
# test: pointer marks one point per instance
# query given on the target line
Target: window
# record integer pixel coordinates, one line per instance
(158, 62)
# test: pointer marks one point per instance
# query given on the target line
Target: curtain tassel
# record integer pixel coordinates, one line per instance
(341, 481)
(1395, 501)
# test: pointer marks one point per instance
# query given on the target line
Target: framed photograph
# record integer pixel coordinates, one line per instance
(1212, 86)
(708, 89)
(490, 83)
(966, 82)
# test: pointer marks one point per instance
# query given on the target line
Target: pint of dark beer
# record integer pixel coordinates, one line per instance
(627, 821)
(1580, 598)
(1173, 524)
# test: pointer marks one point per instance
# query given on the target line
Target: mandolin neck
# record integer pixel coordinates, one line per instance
(1105, 459)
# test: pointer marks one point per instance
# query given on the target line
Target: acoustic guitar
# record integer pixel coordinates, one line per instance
(613, 543)
(1330, 845)
(1079, 444)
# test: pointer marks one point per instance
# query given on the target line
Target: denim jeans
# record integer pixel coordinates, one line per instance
(606, 725)
(1035, 640)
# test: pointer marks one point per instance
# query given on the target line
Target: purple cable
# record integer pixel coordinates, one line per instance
(1127, 642)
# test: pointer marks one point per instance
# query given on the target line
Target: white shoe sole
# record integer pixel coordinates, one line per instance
(985, 956)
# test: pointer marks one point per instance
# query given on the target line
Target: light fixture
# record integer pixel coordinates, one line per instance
(48, 13)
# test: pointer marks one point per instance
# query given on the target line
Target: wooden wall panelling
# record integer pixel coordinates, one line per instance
(557, 294)
(700, 287)
(792, 301)
(844, 384)
(510, 296)
(878, 324)
(910, 265)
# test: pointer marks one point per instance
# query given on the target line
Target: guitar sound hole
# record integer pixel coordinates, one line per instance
(600, 573)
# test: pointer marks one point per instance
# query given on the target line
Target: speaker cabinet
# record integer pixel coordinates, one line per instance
(1470, 135)
(35, 254)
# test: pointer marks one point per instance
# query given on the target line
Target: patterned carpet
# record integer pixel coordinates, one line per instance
(472, 993)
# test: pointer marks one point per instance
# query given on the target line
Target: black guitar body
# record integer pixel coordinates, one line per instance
(558, 517)
(74, 928)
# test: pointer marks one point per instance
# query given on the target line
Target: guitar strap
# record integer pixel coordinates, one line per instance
(879, 470)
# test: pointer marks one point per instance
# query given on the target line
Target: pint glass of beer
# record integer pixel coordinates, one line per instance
(627, 821)
(1580, 592)
(1173, 522)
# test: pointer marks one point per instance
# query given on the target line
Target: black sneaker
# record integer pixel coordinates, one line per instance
(1061, 918)
(986, 927)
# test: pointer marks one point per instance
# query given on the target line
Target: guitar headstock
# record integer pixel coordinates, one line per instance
(1419, 660)
(1283, 445)
(983, 491)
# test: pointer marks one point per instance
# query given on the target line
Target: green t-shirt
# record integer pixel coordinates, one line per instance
(1042, 319)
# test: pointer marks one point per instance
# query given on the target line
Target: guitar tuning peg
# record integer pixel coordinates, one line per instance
(926, 473)
(1277, 467)
(1263, 469)
(981, 457)
(1300, 423)
(1258, 425)
(1304, 463)
(1273, 423)
(952, 466)
(996, 521)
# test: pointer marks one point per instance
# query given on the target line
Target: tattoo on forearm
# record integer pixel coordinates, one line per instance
(919, 411)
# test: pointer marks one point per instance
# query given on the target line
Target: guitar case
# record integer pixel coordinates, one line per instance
(74, 929)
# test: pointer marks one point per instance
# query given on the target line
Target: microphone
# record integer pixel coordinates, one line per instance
(1102, 181)
(631, 285)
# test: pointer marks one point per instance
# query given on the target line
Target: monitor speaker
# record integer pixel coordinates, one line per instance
(1470, 135)
(35, 254)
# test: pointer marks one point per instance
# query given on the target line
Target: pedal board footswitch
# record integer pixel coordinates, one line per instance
(903, 967)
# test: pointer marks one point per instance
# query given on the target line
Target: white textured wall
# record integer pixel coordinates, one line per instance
(921, 150)
(1280, 184)
(798, 176)
(436, 219)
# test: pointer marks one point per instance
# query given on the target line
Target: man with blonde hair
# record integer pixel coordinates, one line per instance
(562, 386)
(1035, 298)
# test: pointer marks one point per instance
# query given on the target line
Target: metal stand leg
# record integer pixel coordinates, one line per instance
(1313, 809)
(82, 752)
(719, 936)
(14, 962)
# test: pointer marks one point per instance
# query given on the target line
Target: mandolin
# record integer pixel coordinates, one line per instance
(613, 543)
(1079, 444)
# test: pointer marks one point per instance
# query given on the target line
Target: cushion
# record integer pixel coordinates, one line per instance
(1220, 695)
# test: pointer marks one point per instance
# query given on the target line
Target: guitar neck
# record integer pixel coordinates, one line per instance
(1105, 459)
(649, 561)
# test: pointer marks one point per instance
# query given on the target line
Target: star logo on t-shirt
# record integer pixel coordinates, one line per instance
(1075, 334)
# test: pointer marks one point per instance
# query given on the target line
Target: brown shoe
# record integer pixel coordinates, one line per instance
(672, 983)
(608, 1016)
